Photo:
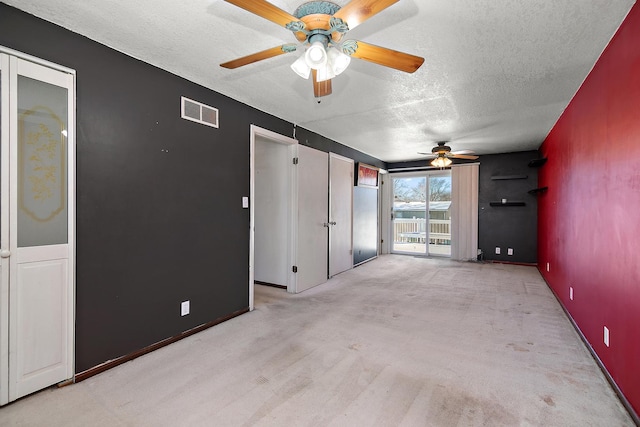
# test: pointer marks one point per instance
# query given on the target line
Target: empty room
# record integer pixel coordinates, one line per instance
(349, 212)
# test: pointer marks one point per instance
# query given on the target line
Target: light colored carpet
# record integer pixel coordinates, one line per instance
(399, 341)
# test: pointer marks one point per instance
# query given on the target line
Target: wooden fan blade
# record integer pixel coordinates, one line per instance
(429, 155)
(463, 156)
(462, 152)
(388, 57)
(322, 88)
(356, 12)
(266, 10)
(255, 57)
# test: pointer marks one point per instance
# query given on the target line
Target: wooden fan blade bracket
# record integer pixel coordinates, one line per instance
(318, 18)
(319, 23)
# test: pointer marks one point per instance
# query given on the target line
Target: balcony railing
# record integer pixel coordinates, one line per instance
(413, 230)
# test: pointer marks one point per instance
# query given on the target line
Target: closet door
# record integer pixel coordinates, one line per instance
(37, 226)
(340, 214)
(313, 205)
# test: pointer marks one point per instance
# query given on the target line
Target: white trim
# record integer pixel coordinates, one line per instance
(385, 213)
(199, 120)
(4, 230)
(36, 60)
(256, 131)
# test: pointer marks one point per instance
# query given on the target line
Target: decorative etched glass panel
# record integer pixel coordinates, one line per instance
(42, 163)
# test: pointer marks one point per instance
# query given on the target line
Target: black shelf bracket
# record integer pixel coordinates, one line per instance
(507, 204)
(504, 177)
(538, 190)
(536, 163)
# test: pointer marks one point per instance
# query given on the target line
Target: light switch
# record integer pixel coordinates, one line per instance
(245, 202)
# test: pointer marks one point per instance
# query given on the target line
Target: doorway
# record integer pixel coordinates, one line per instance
(288, 220)
(37, 181)
(272, 212)
(272, 207)
(421, 213)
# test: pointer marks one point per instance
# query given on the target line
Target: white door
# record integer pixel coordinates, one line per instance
(272, 210)
(37, 227)
(340, 214)
(313, 204)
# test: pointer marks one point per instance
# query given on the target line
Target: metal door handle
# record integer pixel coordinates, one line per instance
(333, 223)
(326, 224)
(5, 253)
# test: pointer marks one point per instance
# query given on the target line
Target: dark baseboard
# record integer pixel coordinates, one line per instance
(81, 376)
(612, 383)
(365, 261)
(273, 285)
(528, 264)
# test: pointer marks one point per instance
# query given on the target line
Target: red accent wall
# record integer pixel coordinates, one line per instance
(589, 219)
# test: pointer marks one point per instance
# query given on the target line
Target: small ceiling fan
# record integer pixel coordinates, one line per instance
(442, 155)
(320, 27)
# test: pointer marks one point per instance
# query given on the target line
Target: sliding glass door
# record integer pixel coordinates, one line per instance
(421, 213)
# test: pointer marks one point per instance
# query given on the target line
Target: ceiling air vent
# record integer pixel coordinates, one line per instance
(199, 112)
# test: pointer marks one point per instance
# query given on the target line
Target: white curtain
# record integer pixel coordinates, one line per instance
(464, 211)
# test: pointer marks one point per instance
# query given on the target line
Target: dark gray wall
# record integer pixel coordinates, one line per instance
(159, 214)
(504, 226)
(319, 142)
(508, 226)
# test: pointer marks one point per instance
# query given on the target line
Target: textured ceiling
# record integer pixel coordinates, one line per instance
(497, 73)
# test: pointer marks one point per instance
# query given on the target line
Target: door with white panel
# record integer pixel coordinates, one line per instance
(37, 224)
(340, 214)
(313, 204)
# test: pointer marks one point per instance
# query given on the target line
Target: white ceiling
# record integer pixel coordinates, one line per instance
(497, 73)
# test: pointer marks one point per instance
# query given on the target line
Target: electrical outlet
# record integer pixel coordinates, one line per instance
(606, 336)
(571, 293)
(498, 250)
(547, 267)
(510, 251)
(184, 308)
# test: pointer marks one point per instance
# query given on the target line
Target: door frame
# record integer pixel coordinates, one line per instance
(6, 187)
(427, 173)
(258, 132)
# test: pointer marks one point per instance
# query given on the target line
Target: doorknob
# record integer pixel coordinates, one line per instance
(333, 223)
(326, 224)
(5, 253)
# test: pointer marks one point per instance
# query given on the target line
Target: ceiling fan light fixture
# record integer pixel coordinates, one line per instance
(339, 61)
(441, 161)
(301, 68)
(316, 55)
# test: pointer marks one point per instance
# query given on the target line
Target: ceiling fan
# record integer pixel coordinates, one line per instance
(442, 155)
(320, 27)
